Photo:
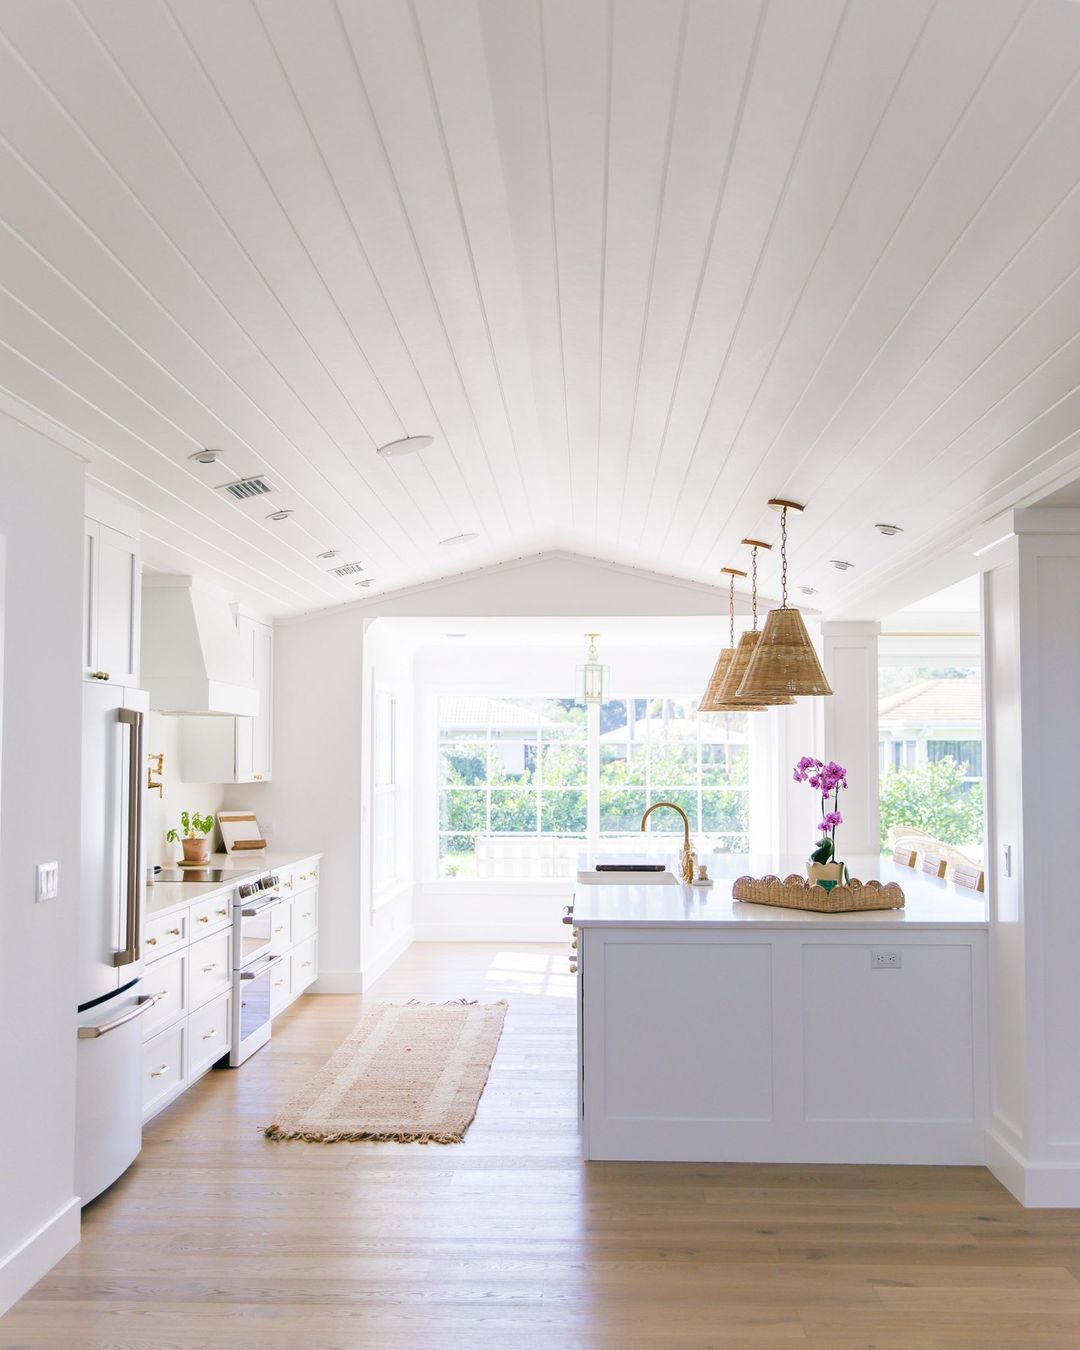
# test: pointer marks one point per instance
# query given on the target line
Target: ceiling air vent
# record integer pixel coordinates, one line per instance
(346, 569)
(244, 488)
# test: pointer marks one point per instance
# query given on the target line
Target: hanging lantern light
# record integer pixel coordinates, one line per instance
(592, 677)
(784, 661)
(730, 692)
(710, 700)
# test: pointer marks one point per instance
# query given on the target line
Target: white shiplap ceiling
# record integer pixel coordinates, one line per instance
(636, 265)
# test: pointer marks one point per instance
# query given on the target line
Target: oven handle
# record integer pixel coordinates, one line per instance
(250, 912)
(254, 974)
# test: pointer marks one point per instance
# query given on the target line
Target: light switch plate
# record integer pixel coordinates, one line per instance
(48, 881)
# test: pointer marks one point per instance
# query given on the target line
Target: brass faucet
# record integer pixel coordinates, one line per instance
(687, 861)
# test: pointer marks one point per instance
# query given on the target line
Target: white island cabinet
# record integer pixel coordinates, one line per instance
(713, 1030)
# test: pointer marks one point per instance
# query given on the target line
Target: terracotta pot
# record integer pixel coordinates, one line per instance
(831, 872)
(196, 850)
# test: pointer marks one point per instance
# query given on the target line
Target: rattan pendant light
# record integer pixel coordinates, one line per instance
(784, 661)
(710, 700)
(729, 693)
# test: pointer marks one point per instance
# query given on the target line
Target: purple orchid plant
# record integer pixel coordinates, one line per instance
(826, 779)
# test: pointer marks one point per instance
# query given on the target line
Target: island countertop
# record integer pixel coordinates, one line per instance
(930, 902)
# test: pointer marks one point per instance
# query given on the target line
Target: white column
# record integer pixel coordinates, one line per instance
(850, 657)
(1031, 658)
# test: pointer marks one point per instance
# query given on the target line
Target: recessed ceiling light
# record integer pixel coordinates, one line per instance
(456, 635)
(461, 538)
(366, 581)
(407, 445)
(283, 514)
(206, 456)
(329, 553)
(808, 590)
(840, 564)
(889, 530)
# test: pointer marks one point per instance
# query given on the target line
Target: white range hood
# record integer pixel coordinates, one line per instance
(193, 659)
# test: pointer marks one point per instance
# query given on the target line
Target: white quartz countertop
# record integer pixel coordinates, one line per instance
(929, 902)
(163, 896)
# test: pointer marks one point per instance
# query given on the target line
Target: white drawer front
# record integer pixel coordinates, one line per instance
(210, 915)
(305, 915)
(163, 1065)
(305, 876)
(167, 979)
(165, 933)
(305, 965)
(210, 964)
(281, 928)
(209, 1034)
(280, 985)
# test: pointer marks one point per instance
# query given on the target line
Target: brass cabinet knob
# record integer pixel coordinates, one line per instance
(223, 912)
(257, 777)
(174, 932)
(99, 675)
(151, 942)
(573, 967)
(202, 918)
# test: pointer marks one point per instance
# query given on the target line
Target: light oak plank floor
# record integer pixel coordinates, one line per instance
(219, 1238)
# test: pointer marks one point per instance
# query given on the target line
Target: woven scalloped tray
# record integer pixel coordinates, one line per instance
(795, 892)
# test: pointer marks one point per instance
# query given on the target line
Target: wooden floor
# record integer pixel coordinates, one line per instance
(219, 1238)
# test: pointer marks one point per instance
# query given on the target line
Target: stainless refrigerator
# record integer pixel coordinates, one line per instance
(110, 997)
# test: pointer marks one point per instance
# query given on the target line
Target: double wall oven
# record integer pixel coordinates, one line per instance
(257, 909)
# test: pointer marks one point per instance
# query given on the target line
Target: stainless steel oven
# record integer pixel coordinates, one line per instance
(256, 907)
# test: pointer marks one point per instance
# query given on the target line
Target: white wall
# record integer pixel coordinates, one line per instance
(1031, 656)
(41, 513)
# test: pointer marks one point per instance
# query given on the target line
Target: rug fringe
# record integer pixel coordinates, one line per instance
(357, 1136)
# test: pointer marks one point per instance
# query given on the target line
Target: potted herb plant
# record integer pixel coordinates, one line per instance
(192, 836)
(823, 868)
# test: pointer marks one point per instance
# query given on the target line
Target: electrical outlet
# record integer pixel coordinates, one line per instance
(48, 881)
(889, 958)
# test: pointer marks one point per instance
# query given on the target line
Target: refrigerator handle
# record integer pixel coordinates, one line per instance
(130, 953)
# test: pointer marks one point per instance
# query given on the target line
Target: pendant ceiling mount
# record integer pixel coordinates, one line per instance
(784, 661)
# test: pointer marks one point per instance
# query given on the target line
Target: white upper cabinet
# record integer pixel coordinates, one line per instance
(237, 749)
(111, 597)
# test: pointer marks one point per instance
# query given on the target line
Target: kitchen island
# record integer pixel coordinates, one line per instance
(718, 1030)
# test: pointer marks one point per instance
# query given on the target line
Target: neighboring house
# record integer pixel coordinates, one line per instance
(936, 719)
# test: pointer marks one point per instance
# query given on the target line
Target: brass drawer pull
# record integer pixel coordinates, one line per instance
(209, 1035)
(156, 1073)
(210, 967)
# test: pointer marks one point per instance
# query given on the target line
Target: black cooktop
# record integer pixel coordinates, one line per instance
(202, 874)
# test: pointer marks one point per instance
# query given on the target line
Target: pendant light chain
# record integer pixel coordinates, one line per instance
(753, 586)
(731, 610)
(783, 558)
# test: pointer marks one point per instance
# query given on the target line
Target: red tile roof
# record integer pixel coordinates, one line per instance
(945, 701)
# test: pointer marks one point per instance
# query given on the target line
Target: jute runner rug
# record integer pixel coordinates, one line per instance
(411, 1073)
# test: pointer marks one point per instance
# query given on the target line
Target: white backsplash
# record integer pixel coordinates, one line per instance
(163, 813)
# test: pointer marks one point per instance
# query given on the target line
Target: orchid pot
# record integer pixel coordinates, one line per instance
(823, 868)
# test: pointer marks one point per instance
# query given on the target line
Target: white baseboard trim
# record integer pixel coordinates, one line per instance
(1037, 1185)
(386, 958)
(497, 932)
(21, 1269)
(338, 982)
